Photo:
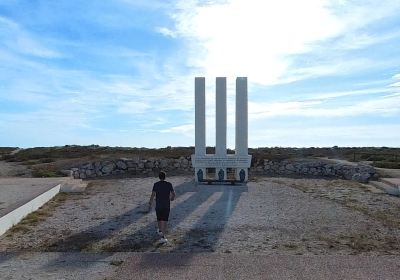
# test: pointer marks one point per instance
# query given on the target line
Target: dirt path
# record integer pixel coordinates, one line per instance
(269, 216)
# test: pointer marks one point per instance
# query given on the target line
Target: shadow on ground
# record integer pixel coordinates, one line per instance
(145, 239)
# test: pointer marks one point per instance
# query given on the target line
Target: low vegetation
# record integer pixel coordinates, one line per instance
(32, 219)
(6, 151)
(51, 161)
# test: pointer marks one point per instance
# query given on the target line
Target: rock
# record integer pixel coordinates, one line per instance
(130, 163)
(121, 165)
(184, 162)
(290, 167)
(361, 177)
(89, 172)
(108, 167)
(163, 163)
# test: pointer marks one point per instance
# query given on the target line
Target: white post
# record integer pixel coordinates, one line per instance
(200, 120)
(220, 125)
(241, 117)
(220, 117)
(221, 160)
(200, 116)
(241, 141)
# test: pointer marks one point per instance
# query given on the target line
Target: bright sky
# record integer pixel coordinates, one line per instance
(121, 72)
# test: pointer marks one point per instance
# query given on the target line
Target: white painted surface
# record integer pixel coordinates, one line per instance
(220, 116)
(228, 161)
(241, 117)
(15, 216)
(241, 160)
(200, 116)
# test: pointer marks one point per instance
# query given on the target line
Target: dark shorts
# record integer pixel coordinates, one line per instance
(162, 214)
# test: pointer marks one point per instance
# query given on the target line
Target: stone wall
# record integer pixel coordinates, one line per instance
(316, 168)
(293, 167)
(132, 167)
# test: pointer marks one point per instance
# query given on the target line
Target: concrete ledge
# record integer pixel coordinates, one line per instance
(73, 186)
(15, 216)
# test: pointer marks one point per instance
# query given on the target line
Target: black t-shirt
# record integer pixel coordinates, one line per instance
(162, 190)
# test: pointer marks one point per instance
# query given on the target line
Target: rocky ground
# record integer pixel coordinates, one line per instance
(268, 216)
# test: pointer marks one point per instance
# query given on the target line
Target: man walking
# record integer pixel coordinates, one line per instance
(164, 193)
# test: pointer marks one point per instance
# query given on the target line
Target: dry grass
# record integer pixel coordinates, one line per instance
(50, 161)
(34, 218)
(352, 195)
(361, 243)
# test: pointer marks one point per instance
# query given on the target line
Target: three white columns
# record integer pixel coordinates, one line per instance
(241, 133)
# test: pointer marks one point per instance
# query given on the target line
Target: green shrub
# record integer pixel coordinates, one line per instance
(46, 160)
(39, 172)
(377, 158)
(387, 164)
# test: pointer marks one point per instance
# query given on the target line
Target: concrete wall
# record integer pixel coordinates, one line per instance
(15, 216)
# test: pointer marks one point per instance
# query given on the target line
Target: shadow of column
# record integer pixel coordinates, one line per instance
(207, 231)
(141, 240)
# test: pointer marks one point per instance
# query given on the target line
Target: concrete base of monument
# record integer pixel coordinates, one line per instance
(223, 182)
(228, 168)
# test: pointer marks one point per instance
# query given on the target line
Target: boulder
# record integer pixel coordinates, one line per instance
(108, 167)
(361, 177)
(121, 165)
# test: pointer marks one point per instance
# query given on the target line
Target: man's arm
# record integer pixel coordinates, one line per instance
(172, 195)
(153, 194)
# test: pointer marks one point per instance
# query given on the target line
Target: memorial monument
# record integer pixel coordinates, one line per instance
(220, 162)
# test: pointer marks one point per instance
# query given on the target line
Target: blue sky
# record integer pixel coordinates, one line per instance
(121, 72)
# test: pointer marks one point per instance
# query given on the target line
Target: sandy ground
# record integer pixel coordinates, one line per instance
(269, 216)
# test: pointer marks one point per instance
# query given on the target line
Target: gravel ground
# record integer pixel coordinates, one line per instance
(268, 216)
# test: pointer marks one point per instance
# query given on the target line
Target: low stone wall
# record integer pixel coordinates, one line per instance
(132, 167)
(183, 165)
(317, 168)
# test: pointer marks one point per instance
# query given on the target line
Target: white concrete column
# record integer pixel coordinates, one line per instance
(241, 141)
(220, 117)
(220, 124)
(200, 116)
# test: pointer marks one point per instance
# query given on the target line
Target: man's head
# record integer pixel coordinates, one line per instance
(161, 175)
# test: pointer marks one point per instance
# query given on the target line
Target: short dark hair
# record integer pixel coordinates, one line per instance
(161, 175)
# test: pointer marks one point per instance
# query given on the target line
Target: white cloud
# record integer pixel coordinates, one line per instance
(383, 106)
(359, 40)
(185, 129)
(396, 77)
(327, 136)
(21, 41)
(359, 92)
(166, 32)
(397, 84)
(258, 38)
